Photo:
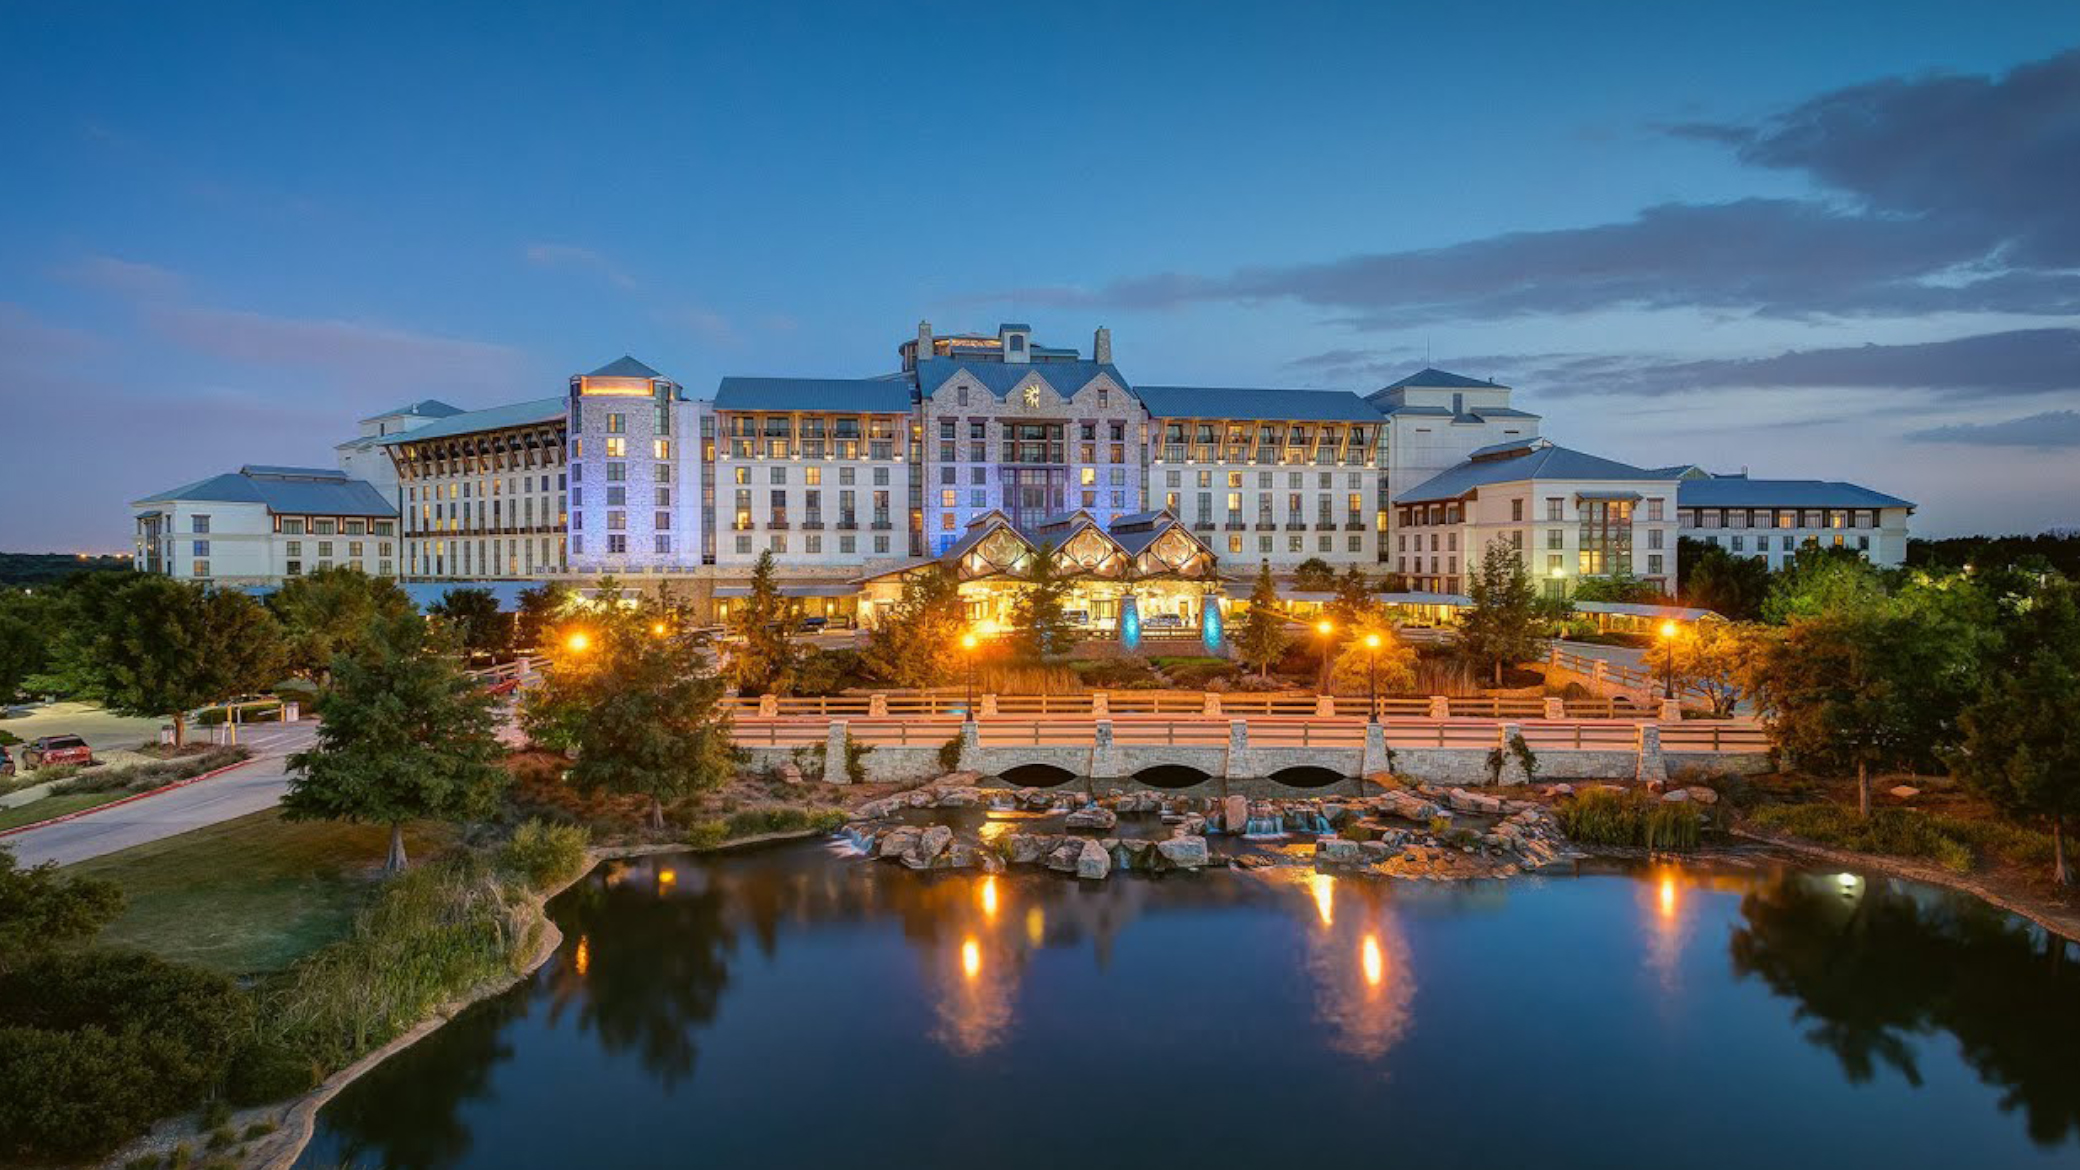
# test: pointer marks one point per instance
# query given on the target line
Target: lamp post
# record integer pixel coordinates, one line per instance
(1372, 677)
(968, 644)
(1668, 660)
(1323, 629)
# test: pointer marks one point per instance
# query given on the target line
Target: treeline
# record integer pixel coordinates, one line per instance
(2057, 551)
(32, 569)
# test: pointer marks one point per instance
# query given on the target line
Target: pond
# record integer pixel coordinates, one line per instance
(803, 1005)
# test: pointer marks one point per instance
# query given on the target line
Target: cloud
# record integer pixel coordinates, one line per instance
(586, 259)
(125, 278)
(2050, 430)
(1945, 194)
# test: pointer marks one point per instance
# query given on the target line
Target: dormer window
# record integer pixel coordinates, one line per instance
(1018, 343)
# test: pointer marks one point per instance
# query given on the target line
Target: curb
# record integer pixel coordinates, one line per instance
(135, 796)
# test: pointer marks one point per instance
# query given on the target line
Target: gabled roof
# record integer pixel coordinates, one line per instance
(1742, 492)
(319, 491)
(1524, 444)
(1431, 378)
(1014, 327)
(424, 408)
(1000, 377)
(624, 367)
(1239, 403)
(843, 395)
(1545, 462)
(469, 422)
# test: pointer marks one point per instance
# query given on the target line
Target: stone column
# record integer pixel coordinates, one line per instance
(1325, 706)
(1600, 674)
(971, 744)
(1375, 758)
(989, 706)
(834, 754)
(1553, 657)
(1101, 705)
(768, 706)
(1239, 765)
(1556, 708)
(1105, 759)
(1512, 767)
(1440, 707)
(1671, 711)
(1653, 768)
(877, 705)
(1210, 705)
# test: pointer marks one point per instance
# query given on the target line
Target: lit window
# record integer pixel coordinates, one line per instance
(662, 448)
(617, 447)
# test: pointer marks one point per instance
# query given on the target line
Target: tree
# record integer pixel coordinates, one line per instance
(1734, 587)
(1261, 639)
(917, 643)
(331, 612)
(1354, 605)
(762, 657)
(1819, 580)
(1718, 660)
(163, 647)
(1392, 665)
(477, 620)
(1502, 627)
(1314, 575)
(28, 624)
(40, 910)
(1039, 627)
(406, 735)
(540, 608)
(1618, 587)
(2021, 735)
(1831, 691)
(652, 721)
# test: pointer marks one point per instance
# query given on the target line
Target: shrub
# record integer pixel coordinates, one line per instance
(1895, 832)
(752, 822)
(1603, 816)
(1669, 827)
(706, 834)
(544, 855)
(158, 774)
(950, 753)
(1351, 830)
(263, 1071)
(856, 753)
(258, 1129)
(1440, 825)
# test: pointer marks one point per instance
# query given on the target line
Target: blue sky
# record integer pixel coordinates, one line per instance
(233, 229)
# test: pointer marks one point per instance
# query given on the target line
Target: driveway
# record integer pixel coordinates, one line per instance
(103, 731)
(255, 786)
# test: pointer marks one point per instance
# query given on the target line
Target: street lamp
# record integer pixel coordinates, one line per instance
(968, 643)
(1325, 627)
(1372, 677)
(1668, 660)
(657, 628)
(578, 643)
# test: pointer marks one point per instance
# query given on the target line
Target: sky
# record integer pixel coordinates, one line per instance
(1831, 241)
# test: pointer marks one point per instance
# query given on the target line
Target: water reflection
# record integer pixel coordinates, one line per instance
(1358, 962)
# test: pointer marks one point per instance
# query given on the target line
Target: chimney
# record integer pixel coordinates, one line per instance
(924, 340)
(1101, 345)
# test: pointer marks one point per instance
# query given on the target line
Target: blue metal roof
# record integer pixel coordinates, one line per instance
(1736, 491)
(1238, 402)
(424, 408)
(843, 395)
(1431, 378)
(516, 414)
(1525, 443)
(1547, 462)
(999, 378)
(1014, 327)
(624, 367)
(295, 491)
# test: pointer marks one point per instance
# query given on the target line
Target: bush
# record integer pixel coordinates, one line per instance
(1670, 827)
(829, 672)
(1603, 816)
(264, 1071)
(950, 753)
(706, 834)
(145, 777)
(544, 855)
(1894, 832)
(1113, 673)
(753, 822)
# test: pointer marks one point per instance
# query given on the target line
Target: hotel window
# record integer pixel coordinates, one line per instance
(292, 527)
(201, 548)
(844, 476)
(743, 544)
(617, 496)
(354, 549)
(1863, 543)
(293, 548)
(661, 448)
(946, 499)
(813, 476)
(617, 447)
(1556, 564)
(617, 423)
(663, 521)
(295, 569)
(1740, 544)
(960, 396)
(777, 475)
(881, 545)
(1653, 564)
(617, 520)
(353, 527)
(848, 545)
(978, 498)
(1553, 509)
(662, 544)
(198, 523)
(946, 522)
(617, 472)
(1654, 537)
(664, 497)
(1234, 544)
(617, 543)
(201, 568)
(324, 549)
(1654, 509)
(1087, 476)
(777, 542)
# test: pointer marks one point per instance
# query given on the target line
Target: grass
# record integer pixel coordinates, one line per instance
(249, 895)
(1951, 842)
(1602, 816)
(44, 808)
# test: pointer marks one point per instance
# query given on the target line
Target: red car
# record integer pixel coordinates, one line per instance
(47, 750)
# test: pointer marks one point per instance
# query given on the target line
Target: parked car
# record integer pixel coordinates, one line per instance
(1077, 617)
(812, 625)
(6, 763)
(1164, 621)
(47, 750)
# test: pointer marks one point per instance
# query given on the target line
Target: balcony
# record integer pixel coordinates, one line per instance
(1235, 525)
(881, 525)
(1354, 526)
(1202, 526)
(813, 524)
(848, 523)
(778, 524)
(1266, 526)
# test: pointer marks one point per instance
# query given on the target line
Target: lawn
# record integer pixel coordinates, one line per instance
(249, 895)
(46, 807)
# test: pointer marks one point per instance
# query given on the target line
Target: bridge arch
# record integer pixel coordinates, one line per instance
(1036, 775)
(1171, 776)
(1307, 776)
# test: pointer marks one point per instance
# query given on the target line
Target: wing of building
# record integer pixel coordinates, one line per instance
(987, 438)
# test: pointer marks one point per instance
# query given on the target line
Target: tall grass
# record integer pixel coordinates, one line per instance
(1896, 832)
(1603, 816)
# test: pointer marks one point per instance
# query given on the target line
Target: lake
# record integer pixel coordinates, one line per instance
(803, 1005)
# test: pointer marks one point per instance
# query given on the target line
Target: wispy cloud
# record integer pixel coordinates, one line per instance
(2051, 430)
(572, 256)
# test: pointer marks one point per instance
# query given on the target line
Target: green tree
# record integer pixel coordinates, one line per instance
(762, 657)
(2021, 736)
(477, 620)
(331, 612)
(1623, 588)
(1822, 580)
(1503, 626)
(653, 721)
(1734, 587)
(1039, 628)
(1314, 575)
(1835, 695)
(1261, 638)
(39, 909)
(540, 608)
(28, 624)
(163, 647)
(1358, 665)
(406, 735)
(1718, 659)
(1354, 604)
(917, 643)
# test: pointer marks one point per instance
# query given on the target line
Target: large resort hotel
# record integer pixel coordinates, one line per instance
(979, 449)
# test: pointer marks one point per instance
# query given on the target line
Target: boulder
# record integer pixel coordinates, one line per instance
(1235, 814)
(933, 842)
(989, 862)
(1334, 813)
(1194, 825)
(1025, 848)
(918, 799)
(959, 797)
(959, 855)
(1473, 802)
(1065, 857)
(897, 841)
(1904, 791)
(1183, 852)
(961, 779)
(789, 772)
(1676, 796)
(1702, 795)
(1092, 817)
(1374, 852)
(1337, 851)
(1093, 861)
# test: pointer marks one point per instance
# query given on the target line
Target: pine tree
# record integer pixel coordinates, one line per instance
(1261, 639)
(762, 656)
(1039, 628)
(917, 643)
(1502, 628)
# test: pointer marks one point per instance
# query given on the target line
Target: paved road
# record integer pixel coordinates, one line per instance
(249, 789)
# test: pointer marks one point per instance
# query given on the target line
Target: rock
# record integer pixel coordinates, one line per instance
(1337, 851)
(1234, 814)
(962, 779)
(959, 855)
(959, 798)
(1374, 852)
(789, 773)
(1183, 852)
(1702, 795)
(933, 842)
(1252, 861)
(1560, 790)
(1092, 817)
(1334, 813)
(1093, 861)
(1676, 796)
(1064, 857)
(1025, 848)
(988, 861)
(1473, 802)
(1194, 825)
(918, 799)
(897, 841)
(1904, 791)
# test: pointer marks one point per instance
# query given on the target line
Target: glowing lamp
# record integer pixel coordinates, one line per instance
(1324, 628)
(578, 643)
(1668, 629)
(1372, 641)
(969, 641)
(657, 628)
